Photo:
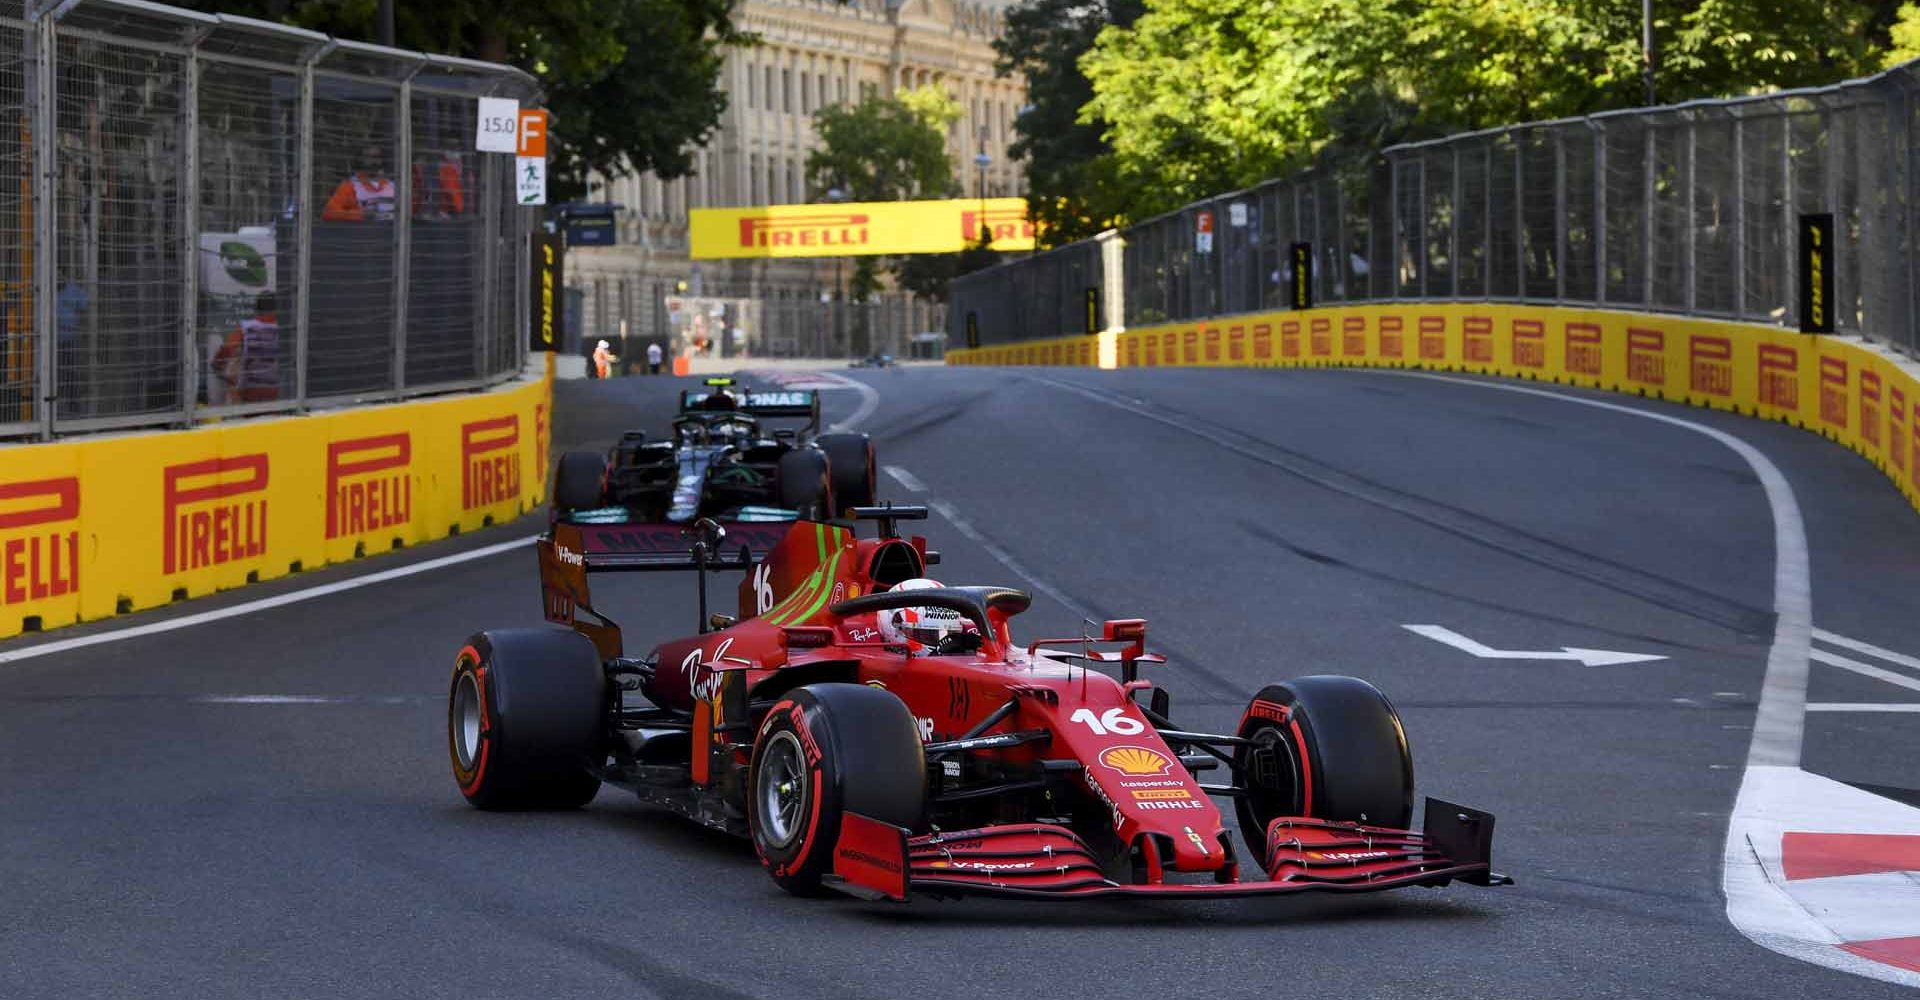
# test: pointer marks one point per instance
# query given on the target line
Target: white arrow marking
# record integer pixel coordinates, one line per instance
(1589, 657)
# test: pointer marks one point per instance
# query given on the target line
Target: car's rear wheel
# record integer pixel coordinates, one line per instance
(524, 718)
(804, 484)
(580, 481)
(825, 750)
(1327, 747)
(850, 462)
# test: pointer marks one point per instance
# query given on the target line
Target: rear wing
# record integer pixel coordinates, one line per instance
(801, 404)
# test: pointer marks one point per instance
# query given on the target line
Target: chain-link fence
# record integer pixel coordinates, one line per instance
(796, 326)
(1693, 208)
(201, 216)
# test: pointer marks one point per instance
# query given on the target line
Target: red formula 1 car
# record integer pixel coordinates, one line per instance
(877, 734)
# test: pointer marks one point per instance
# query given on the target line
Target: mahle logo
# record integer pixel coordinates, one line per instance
(39, 539)
(215, 512)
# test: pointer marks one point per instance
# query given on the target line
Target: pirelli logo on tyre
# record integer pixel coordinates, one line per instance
(1476, 339)
(1833, 392)
(1320, 337)
(215, 512)
(369, 484)
(1263, 341)
(1870, 408)
(1353, 336)
(1710, 365)
(1290, 338)
(1646, 357)
(1393, 341)
(1528, 338)
(39, 539)
(489, 461)
(1583, 348)
(1433, 338)
(1779, 372)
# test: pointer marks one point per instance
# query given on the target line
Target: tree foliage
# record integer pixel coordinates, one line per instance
(1074, 187)
(1201, 96)
(633, 84)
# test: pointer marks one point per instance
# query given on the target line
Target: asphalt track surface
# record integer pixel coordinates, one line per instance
(157, 841)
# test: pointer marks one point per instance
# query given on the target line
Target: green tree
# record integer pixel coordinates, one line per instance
(597, 60)
(1201, 96)
(1074, 186)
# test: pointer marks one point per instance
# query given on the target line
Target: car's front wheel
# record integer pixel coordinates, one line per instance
(825, 750)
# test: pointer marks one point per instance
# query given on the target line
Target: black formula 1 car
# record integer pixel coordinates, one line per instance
(722, 459)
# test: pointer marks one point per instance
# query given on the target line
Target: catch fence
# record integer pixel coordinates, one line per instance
(200, 217)
(1693, 208)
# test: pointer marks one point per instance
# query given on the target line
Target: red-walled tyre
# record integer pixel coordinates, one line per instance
(825, 750)
(525, 713)
(1327, 747)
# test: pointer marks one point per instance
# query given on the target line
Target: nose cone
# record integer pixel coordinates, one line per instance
(1196, 850)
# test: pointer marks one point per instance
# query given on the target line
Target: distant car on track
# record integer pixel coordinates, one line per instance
(875, 733)
(873, 361)
(722, 459)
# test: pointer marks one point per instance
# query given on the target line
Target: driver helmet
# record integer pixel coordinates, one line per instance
(922, 628)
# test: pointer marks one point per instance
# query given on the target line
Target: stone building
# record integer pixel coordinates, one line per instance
(812, 53)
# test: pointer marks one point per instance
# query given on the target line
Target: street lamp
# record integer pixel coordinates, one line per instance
(982, 160)
(838, 195)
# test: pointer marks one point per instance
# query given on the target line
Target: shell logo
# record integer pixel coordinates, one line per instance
(1135, 761)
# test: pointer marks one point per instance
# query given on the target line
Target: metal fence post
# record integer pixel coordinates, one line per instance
(1790, 205)
(1559, 217)
(402, 228)
(303, 226)
(1519, 216)
(46, 260)
(1740, 217)
(1693, 227)
(1453, 231)
(1599, 137)
(1647, 144)
(1393, 230)
(190, 231)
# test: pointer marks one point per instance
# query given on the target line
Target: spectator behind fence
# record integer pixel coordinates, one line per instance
(248, 364)
(653, 358)
(603, 360)
(439, 193)
(367, 193)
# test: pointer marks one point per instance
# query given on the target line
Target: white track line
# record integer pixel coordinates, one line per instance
(905, 478)
(869, 401)
(1868, 648)
(1865, 669)
(263, 604)
(1863, 706)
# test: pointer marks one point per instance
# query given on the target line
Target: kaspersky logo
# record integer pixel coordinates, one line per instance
(369, 486)
(39, 539)
(824, 229)
(215, 511)
(1003, 224)
(489, 461)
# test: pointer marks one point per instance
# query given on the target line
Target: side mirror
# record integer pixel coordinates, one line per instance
(1124, 630)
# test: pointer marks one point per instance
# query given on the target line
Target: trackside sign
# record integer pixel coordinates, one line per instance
(860, 228)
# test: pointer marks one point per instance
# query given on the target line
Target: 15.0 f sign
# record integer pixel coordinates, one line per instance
(498, 125)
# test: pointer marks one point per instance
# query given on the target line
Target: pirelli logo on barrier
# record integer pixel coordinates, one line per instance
(1779, 369)
(1263, 341)
(1870, 408)
(369, 484)
(1393, 343)
(215, 512)
(1833, 392)
(1529, 343)
(1710, 365)
(1290, 338)
(1212, 335)
(824, 229)
(1913, 467)
(1896, 427)
(489, 461)
(39, 539)
(1433, 338)
(1170, 348)
(1583, 348)
(1002, 224)
(1190, 347)
(1646, 357)
(1353, 336)
(1476, 339)
(1320, 337)
(1130, 352)
(1237, 344)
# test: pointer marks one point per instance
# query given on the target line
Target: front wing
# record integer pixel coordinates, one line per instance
(1044, 861)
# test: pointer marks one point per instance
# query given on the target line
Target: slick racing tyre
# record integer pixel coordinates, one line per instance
(804, 485)
(825, 750)
(578, 485)
(524, 718)
(1327, 747)
(850, 463)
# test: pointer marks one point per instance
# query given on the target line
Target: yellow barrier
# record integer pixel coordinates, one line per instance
(1840, 387)
(106, 525)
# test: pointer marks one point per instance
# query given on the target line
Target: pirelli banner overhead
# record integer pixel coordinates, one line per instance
(117, 523)
(1853, 392)
(859, 228)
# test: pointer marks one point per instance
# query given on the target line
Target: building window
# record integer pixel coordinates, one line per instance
(753, 88)
(768, 90)
(786, 90)
(773, 182)
(823, 88)
(840, 90)
(754, 169)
